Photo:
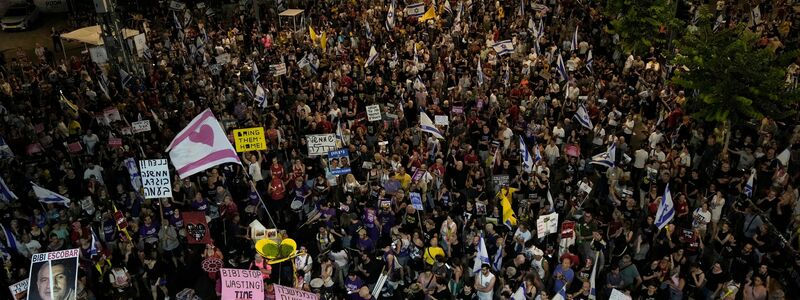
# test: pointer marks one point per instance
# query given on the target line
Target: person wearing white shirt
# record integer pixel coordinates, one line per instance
(90, 140)
(94, 170)
(655, 138)
(521, 236)
(658, 154)
(558, 133)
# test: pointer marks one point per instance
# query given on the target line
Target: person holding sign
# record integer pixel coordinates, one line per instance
(54, 281)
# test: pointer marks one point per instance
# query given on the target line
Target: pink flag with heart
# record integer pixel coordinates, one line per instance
(201, 145)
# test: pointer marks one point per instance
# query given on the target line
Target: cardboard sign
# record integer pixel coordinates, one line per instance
(241, 284)
(49, 268)
(114, 142)
(140, 126)
(249, 139)
(585, 187)
(73, 147)
(416, 200)
(547, 224)
(286, 293)
(320, 144)
(156, 182)
(339, 161)
(196, 227)
(441, 120)
(278, 69)
(374, 113)
(19, 290)
(457, 110)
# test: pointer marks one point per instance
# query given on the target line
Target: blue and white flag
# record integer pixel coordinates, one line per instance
(373, 55)
(480, 73)
(426, 125)
(481, 258)
(593, 278)
(125, 77)
(395, 60)
(527, 160)
(390, 16)
(606, 158)
(503, 47)
(574, 44)
(521, 8)
(177, 22)
(497, 262)
(133, 171)
(562, 69)
(666, 210)
(460, 12)
(537, 155)
(5, 150)
(48, 196)
(187, 18)
(261, 96)
(6, 195)
(589, 62)
(93, 246)
(520, 293)
(367, 30)
(313, 62)
(748, 187)
(339, 134)
(102, 82)
(532, 27)
(415, 10)
(561, 295)
(447, 7)
(255, 72)
(11, 240)
(550, 200)
(583, 117)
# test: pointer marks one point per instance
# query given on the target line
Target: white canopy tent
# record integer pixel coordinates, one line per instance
(291, 13)
(91, 35)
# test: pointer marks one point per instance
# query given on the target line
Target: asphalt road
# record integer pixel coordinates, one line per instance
(11, 40)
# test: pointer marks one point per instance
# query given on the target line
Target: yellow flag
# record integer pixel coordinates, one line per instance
(323, 41)
(312, 34)
(505, 203)
(430, 14)
(68, 103)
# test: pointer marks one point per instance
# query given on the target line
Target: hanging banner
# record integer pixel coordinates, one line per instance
(19, 290)
(320, 144)
(156, 181)
(196, 227)
(339, 161)
(140, 126)
(287, 293)
(53, 275)
(547, 224)
(374, 113)
(249, 139)
(242, 284)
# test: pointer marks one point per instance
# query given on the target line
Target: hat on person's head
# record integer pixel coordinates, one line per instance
(537, 251)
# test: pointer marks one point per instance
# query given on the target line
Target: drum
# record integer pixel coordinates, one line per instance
(296, 205)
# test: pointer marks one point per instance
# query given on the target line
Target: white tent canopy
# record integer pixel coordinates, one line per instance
(91, 35)
(291, 13)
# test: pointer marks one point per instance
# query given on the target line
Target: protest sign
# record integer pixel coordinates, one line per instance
(140, 43)
(547, 224)
(19, 290)
(74, 147)
(441, 120)
(286, 293)
(196, 227)
(278, 69)
(156, 182)
(249, 139)
(416, 200)
(320, 144)
(499, 180)
(618, 295)
(53, 275)
(111, 115)
(457, 110)
(140, 126)
(374, 113)
(241, 284)
(114, 142)
(98, 55)
(176, 5)
(339, 161)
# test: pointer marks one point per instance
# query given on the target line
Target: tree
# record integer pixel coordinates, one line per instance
(728, 77)
(643, 23)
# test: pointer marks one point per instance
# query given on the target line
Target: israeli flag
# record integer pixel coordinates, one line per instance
(532, 27)
(562, 69)
(48, 196)
(480, 73)
(481, 258)
(503, 47)
(339, 134)
(368, 30)
(527, 160)
(426, 125)
(124, 76)
(373, 55)
(589, 62)
(6, 195)
(415, 10)
(255, 72)
(593, 279)
(5, 150)
(574, 45)
(606, 158)
(395, 61)
(666, 209)
(11, 240)
(313, 62)
(187, 18)
(102, 82)
(748, 187)
(460, 11)
(390, 16)
(583, 117)
(497, 263)
(261, 97)
(550, 200)
(177, 23)
(520, 293)
(133, 171)
(537, 156)
(93, 247)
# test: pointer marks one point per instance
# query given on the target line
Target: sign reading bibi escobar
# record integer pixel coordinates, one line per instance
(54, 275)
(155, 178)
(241, 284)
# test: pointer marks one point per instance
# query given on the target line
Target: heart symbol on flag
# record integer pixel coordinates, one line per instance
(204, 136)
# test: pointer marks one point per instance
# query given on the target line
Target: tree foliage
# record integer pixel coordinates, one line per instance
(643, 23)
(728, 77)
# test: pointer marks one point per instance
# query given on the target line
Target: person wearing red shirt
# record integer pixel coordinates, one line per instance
(276, 169)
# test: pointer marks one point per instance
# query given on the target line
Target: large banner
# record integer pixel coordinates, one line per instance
(242, 284)
(287, 293)
(156, 181)
(54, 275)
(196, 227)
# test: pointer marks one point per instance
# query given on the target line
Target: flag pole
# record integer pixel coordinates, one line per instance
(253, 185)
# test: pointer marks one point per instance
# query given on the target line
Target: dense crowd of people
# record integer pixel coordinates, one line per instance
(725, 241)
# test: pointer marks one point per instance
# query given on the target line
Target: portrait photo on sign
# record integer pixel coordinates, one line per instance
(53, 279)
